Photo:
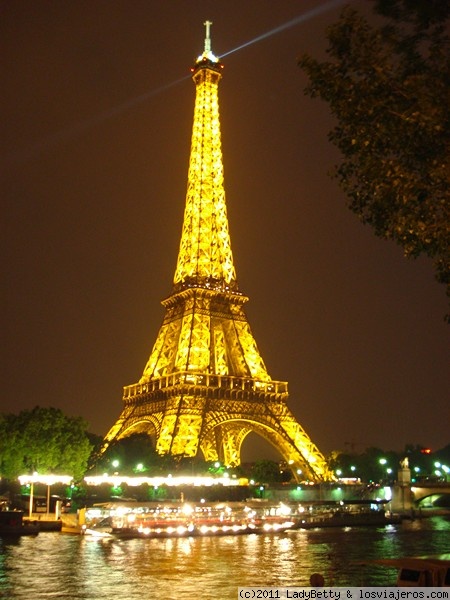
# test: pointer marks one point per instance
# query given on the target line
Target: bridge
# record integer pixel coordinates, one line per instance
(422, 490)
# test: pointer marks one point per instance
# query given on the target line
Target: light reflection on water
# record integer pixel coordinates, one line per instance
(55, 565)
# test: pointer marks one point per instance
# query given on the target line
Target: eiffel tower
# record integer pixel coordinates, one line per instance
(205, 386)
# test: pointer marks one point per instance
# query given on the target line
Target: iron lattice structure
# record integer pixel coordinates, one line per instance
(205, 386)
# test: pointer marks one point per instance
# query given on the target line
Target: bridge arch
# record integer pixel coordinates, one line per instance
(434, 500)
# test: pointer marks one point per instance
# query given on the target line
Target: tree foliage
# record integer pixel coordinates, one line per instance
(388, 87)
(368, 467)
(136, 454)
(268, 471)
(43, 440)
(137, 448)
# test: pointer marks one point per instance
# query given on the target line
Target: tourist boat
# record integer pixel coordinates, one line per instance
(13, 524)
(343, 514)
(163, 520)
(350, 519)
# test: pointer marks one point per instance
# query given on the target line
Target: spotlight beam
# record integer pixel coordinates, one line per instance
(296, 21)
(77, 129)
(74, 131)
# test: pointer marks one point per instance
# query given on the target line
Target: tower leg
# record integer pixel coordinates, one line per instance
(181, 426)
(223, 443)
(211, 446)
(232, 437)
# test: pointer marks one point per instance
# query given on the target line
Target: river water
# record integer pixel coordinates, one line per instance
(57, 565)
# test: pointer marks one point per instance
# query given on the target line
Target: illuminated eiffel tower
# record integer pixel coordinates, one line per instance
(205, 386)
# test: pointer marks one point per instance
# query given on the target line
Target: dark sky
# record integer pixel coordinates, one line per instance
(97, 107)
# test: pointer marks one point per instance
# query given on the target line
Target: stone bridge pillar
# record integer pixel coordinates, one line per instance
(402, 500)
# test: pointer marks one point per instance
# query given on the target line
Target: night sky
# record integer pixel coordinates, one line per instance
(97, 108)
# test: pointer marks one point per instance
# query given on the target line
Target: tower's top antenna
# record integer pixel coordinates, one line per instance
(208, 24)
(207, 52)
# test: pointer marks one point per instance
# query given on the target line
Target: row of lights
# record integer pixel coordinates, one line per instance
(440, 471)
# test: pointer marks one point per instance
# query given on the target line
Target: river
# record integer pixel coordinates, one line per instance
(57, 565)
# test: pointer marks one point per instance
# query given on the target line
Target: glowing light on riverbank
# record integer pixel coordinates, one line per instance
(116, 480)
(45, 479)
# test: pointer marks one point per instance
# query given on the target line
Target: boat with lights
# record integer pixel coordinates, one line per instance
(173, 519)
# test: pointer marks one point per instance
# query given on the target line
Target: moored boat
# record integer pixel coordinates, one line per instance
(350, 519)
(343, 514)
(13, 524)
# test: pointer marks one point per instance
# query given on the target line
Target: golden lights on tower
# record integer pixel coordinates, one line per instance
(205, 386)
